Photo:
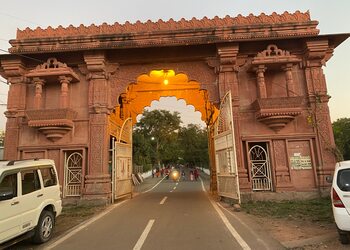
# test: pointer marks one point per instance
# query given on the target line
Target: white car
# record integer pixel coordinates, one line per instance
(341, 199)
(30, 200)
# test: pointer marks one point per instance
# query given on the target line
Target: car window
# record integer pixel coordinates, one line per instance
(343, 180)
(49, 176)
(9, 184)
(30, 181)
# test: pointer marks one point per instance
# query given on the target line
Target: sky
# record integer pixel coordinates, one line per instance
(333, 17)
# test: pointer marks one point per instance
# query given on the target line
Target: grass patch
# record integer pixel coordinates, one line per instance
(72, 216)
(80, 211)
(315, 210)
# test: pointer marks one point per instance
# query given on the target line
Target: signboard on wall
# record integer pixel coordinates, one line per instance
(297, 161)
(300, 155)
(301, 164)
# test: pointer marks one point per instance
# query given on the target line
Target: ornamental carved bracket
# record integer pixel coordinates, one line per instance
(52, 70)
(53, 123)
(274, 56)
(276, 113)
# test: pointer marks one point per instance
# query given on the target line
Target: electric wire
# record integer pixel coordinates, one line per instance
(21, 55)
(18, 18)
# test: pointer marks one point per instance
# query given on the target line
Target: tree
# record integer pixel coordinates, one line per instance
(2, 138)
(194, 144)
(157, 131)
(341, 131)
(159, 139)
(142, 151)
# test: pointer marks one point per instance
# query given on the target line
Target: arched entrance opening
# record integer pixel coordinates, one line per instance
(162, 83)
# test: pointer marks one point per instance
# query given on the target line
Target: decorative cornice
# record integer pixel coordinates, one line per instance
(161, 25)
(170, 33)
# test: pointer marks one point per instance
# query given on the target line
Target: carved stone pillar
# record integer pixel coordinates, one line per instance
(64, 103)
(242, 171)
(228, 80)
(98, 180)
(316, 54)
(261, 81)
(226, 69)
(39, 83)
(14, 71)
(289, 80)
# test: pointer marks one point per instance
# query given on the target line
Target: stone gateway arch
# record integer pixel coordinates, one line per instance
(75, 91)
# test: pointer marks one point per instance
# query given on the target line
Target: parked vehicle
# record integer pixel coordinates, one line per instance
(30, 200)
(341, 200)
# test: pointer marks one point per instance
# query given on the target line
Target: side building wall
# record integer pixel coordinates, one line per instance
(283, 112)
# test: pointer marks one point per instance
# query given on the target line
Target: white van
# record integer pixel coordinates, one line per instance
(30, 200)
(340, 194)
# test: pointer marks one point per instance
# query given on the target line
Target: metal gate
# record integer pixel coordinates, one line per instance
(72, 174)
(225, 151)
(122, 162)
(260, 167)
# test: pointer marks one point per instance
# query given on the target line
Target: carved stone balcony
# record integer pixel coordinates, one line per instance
(276, 113)
(53, 123)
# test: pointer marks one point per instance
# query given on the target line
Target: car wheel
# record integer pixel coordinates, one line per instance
(43, 230)
(344, 237)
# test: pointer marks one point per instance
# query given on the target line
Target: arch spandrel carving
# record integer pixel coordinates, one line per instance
(161, 83)
(198, 71)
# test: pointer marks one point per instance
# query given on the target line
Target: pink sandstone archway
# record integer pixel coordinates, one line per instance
(66, 82)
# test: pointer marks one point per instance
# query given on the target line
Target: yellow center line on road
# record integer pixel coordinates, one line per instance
(163, 200)
(143, 236)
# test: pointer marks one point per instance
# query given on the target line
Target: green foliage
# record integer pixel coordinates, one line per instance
(2, 138)
(154, 137)
(341, 131)
(158, 138)
(316, 210)
(194, 144)
(142, 150)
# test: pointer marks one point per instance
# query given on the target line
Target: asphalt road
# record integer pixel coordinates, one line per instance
(173, 215)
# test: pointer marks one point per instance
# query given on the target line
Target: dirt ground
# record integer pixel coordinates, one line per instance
(288, 230)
